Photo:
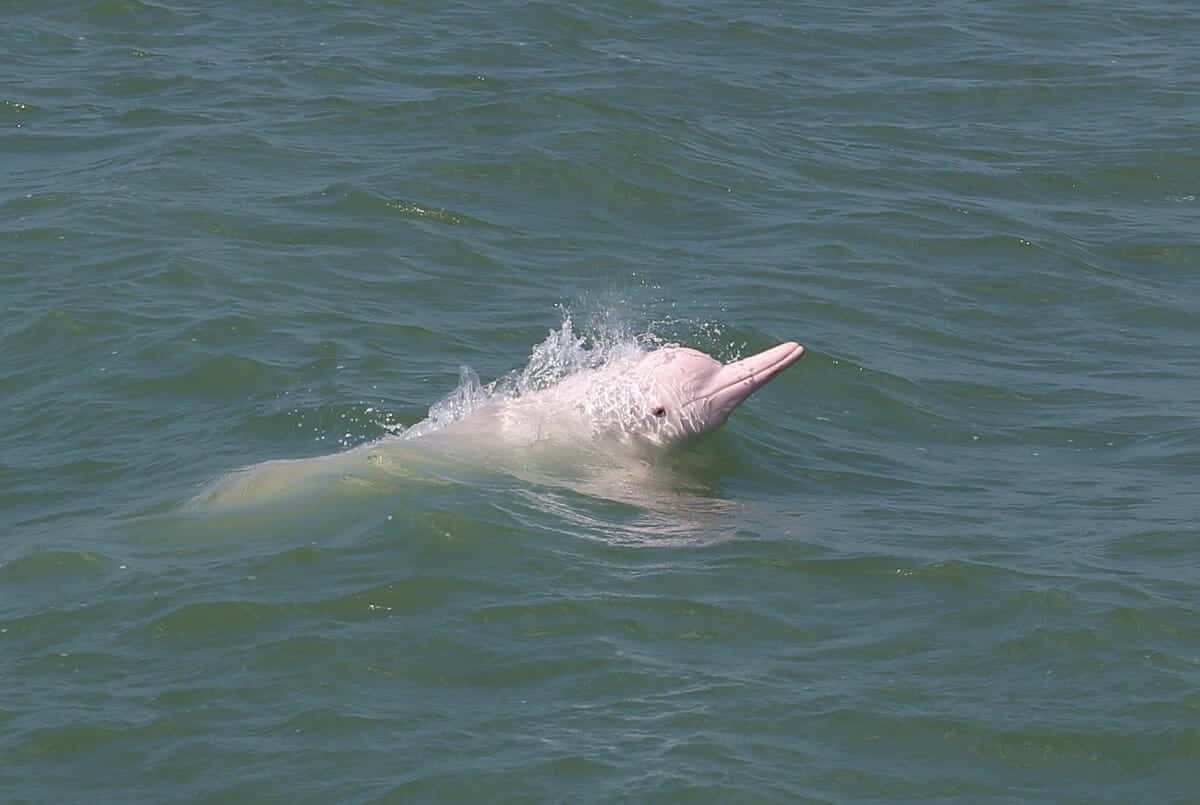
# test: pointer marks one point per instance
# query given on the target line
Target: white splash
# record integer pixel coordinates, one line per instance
(561, 355)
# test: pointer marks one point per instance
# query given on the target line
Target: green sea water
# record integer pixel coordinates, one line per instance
(952, 555)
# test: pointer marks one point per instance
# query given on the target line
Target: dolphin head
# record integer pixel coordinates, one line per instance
(686, 393)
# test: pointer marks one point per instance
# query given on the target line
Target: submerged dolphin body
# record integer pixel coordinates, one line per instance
(643, 402)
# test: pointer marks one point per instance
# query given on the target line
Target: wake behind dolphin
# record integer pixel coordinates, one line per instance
(604, 408)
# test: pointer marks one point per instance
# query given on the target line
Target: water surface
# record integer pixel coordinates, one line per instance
(951, 555)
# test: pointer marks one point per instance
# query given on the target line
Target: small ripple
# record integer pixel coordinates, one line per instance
(327, 722)
(224, 330)
(124, 11)
(70, 742)
(293, 652)
(11, 107)
(1155, 547)
(356, 202)
(414, 210)
(406, 597)
(1172, 622)
(54, 564)
(217, 618)
(150, 117)
(63, 327)
(219, 376)
(15, 207)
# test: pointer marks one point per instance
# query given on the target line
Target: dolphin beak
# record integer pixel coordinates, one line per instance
(736, 381)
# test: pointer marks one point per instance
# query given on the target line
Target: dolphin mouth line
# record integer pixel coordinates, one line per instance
(766, 373)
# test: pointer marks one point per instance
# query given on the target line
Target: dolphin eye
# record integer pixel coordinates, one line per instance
(659, 411)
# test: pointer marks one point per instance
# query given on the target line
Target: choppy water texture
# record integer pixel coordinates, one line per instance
(950, 555)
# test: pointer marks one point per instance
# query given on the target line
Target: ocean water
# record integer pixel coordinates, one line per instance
(952, 555)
